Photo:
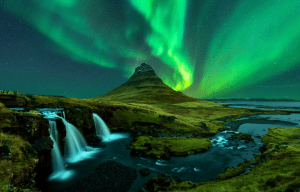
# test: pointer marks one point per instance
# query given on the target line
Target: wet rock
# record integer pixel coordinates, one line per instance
(43, 144)
(34, 129)
(144, 171)
(43, 169)
(163, 180)
(5, 152)
(97, 141)
(82, 119)
(31, 127)
(98, 138)
(242, 136)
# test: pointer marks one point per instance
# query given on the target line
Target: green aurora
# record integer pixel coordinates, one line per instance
(256, 41)
(254, 44)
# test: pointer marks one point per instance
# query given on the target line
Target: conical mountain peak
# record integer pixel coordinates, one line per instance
(144, 74)
(143, 69)
(146, 87)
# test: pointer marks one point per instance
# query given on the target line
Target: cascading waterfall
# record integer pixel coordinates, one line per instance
(75, 142)
(76, 148)
(56, 157)
(53, 131)
(64, 114)
(100, 126)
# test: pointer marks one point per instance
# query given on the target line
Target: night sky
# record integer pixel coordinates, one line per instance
(205, 49)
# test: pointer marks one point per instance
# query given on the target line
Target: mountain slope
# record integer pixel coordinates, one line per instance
(146, 87)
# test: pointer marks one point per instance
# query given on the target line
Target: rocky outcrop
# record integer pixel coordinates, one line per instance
(82, 119)
(43, 147)
(33, 129)
(13, 100)
(142, 70)
(43, 144)
(30, 127)
(242, 136)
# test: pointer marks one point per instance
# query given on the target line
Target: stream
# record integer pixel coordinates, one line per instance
(199, 167)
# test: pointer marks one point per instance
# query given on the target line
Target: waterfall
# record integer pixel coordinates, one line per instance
(75, 142)
(56, 158)
(53, 131)
(64, 114)
(100, 126)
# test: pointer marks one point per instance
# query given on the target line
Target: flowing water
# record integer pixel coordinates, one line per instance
(56, 157)
(282, 105)
(200, 167)
(100, 126)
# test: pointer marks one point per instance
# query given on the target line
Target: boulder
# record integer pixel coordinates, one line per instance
(144, 171)
(163, 180)
(98, 138)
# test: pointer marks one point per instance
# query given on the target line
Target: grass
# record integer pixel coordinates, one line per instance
(19, 169)
(278, 173)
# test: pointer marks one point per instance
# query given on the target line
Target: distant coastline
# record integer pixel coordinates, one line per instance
(251, 99)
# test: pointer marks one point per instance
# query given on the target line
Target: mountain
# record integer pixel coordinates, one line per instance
(145, 86)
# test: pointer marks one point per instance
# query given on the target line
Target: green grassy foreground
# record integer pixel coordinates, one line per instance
(276, 168)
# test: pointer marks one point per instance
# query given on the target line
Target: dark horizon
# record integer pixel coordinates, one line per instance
(253, 99)
(247, 99)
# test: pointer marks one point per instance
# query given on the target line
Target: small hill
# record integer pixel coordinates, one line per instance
(144, 86)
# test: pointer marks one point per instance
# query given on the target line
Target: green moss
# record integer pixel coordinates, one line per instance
(199, 118)
(3, 109)
(164, 147)
(30, 151)
(242, 136)
(17, 171)
(278, 173)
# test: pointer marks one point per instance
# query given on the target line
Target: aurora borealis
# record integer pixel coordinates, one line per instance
(205, 49)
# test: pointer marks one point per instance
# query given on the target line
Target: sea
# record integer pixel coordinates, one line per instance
(279, 105)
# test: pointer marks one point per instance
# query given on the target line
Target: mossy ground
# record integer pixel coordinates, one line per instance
(16, 171)
(164, 147)
(280, 170)
(199, 119)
